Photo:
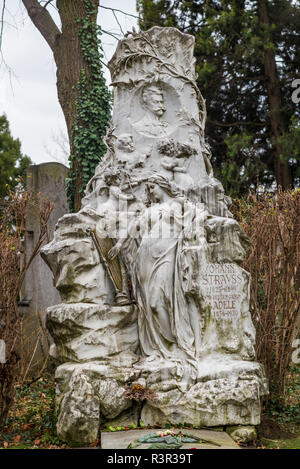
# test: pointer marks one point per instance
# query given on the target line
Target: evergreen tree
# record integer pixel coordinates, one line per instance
(13, 164)
(247, 55)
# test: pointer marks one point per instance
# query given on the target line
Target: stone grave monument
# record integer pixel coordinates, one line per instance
(37, 293)
(149, 269)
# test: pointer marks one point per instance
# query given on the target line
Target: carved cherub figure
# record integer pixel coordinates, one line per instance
(112, 208)
(116, 196)
(175, 160)
(124, 143)
(126, 154)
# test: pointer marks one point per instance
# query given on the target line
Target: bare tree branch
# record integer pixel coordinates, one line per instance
(2, 23)
(232, 124)
(110, 34)
(10, 72)
(47, 3)
(43, 21)
(120, 11)
(3, 61)
(116, 18)
(10, 25)
(103, 63)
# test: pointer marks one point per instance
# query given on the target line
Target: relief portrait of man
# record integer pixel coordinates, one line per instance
(152, 102)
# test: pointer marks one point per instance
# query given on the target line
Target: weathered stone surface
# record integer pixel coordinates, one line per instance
(48, 180)
(149, 269)
(207, 404)
(84, 331)
(242, 434)
(225, 392)
(38, 292)
(113, 398)
(79, 412)
(123, 372)
(90, 394)
(74, 261)
(125, 419)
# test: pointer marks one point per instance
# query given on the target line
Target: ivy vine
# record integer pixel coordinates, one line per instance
(93, 107)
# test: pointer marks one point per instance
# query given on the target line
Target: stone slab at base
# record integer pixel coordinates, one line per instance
(121, 440)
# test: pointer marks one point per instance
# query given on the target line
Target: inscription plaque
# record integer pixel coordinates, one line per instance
(221, 287)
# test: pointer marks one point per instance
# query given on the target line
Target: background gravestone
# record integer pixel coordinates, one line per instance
(38, 291)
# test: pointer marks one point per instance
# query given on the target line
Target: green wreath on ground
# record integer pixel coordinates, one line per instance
(168, 440)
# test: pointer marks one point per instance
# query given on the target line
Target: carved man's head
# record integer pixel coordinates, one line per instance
(153, 100)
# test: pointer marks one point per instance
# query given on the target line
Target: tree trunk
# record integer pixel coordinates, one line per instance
(68, 56)
(281, 167)
(70, 63)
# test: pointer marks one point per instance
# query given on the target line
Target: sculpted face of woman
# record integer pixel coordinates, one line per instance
(156, 193)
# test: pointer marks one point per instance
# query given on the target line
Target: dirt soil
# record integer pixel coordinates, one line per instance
(271, 429)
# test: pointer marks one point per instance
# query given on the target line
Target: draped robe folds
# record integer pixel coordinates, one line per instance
(164, 321)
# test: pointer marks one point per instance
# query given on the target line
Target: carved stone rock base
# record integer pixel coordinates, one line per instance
(211, 393)
(89, 394)
(214, 391)
(86, 331)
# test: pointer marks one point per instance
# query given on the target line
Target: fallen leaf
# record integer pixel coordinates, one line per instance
(5, 444)
(37, 441)
(27, 426)
(17, 438)
(96, 443)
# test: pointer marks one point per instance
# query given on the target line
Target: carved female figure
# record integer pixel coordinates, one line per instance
(169, 319)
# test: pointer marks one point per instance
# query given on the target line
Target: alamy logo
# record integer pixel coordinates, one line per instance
(2, 351)
(296, 93)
